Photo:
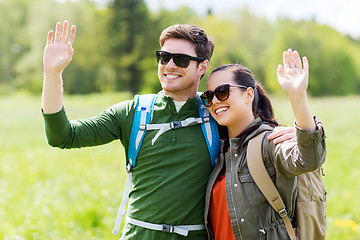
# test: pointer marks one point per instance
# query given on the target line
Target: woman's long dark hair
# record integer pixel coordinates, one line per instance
(261, 104)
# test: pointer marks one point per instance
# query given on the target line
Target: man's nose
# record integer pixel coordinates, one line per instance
(171, 64)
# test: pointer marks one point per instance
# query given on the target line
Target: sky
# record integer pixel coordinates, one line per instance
(342, 15)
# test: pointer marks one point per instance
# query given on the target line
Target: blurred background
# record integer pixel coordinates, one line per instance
(48, 193)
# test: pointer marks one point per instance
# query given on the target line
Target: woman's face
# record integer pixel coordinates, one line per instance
(236, 112)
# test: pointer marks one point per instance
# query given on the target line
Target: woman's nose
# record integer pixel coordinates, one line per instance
(215, 100)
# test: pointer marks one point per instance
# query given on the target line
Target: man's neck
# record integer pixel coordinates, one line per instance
(180, 97)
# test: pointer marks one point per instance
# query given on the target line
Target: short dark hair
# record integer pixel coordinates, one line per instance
(204, 46)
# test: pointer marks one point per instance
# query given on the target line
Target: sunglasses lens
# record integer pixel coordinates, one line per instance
(206, 98)
(163, 57)
(182, 61)
(222, 92)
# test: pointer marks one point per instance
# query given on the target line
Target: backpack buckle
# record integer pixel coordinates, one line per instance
(283, 213)
(129, 167)
(167, 228)
(175, 124)
(206, 119)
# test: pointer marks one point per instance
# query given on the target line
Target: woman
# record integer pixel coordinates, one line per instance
(235, 207)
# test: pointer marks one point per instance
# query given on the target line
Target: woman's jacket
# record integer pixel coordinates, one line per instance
(252, 217)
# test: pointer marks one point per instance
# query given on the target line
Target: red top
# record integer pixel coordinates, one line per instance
(219, 214)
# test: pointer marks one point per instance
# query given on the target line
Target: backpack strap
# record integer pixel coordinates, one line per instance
(143, 113)
(210, 132)
(163, 127)
(263, 181)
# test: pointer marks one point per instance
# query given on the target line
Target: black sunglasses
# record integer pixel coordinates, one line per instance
(221, 93)
(181, 60)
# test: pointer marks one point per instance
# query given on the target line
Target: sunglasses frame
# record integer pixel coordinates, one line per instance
(178, 58)
(209, 95)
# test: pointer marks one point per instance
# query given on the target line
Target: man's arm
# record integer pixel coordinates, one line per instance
(57, 55)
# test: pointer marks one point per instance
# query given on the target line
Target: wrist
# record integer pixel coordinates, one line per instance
(297, 96)
(50, 74)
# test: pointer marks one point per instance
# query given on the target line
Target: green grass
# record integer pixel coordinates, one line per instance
(48, 193)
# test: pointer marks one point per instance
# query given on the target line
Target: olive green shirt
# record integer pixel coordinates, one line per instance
(170, 177)
(251, 216)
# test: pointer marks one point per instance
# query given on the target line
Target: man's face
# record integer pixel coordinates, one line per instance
(177, 82)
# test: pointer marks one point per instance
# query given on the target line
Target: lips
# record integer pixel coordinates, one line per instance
(221, 110)
(172, 76)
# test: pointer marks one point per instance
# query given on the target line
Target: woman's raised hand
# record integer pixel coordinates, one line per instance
(58, 52)
(293, 76)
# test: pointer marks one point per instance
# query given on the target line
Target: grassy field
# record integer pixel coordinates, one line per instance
(47, 193)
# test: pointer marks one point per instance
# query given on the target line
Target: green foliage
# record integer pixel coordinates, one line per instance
(331, 56)
(115, 45)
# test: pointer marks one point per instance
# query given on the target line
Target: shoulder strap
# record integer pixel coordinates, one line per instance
(143, 112)
(263, 181)
(210, 132)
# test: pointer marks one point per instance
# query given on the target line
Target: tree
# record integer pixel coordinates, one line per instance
(128, 31)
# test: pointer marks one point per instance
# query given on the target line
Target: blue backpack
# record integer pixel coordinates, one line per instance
(141, 124)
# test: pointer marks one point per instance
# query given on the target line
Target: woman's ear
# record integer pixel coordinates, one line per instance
(250, 94)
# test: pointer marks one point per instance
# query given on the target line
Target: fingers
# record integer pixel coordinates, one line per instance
(72, 34)
(65, 31)
(292, 59)
(306, 63)
(289, 60)
(289, 137)
(61, 37)
(57, 32)
(297, 60)
(282, 134)
(286, 59)
(50, 37)
(280, 71)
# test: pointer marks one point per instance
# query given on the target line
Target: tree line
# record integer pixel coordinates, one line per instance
(116, 43)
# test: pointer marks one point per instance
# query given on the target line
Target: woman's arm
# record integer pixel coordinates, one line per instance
(293, 77)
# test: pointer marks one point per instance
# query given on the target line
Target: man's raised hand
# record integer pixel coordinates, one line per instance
(58, 51)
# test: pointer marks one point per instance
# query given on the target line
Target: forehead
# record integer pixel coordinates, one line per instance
(175, 45)
(218, 78)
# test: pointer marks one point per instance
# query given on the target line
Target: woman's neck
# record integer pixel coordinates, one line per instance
(234, 131)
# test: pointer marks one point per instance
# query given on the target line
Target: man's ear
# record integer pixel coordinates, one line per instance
(204, 66)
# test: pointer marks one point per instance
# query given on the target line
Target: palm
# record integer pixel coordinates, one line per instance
(57, 56)
(293, 76)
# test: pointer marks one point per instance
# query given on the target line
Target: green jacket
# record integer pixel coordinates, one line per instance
(252, 217)
(170, 178)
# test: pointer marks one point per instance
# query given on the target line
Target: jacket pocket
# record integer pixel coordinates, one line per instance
(253, 193)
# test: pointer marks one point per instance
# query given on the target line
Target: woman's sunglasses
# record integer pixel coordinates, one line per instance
(221, 93)
(181, 60)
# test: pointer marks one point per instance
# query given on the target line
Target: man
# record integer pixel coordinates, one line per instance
(169, 181)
